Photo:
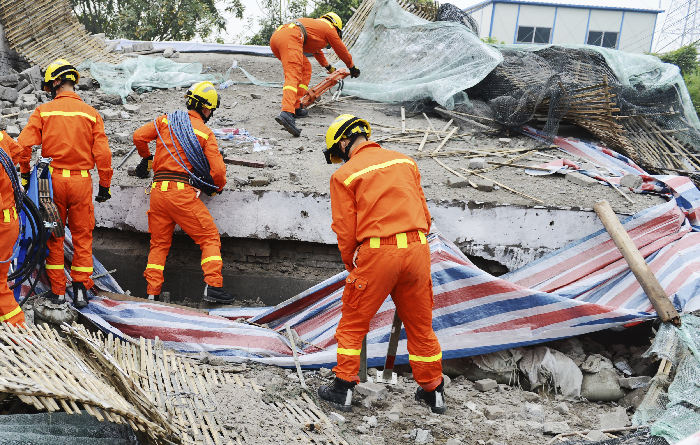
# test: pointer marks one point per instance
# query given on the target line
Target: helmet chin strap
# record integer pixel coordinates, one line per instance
(205, 118)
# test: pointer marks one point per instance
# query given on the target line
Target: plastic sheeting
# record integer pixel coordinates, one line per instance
(198, 47)
(406, 58)
(547, 367)
(146, 73)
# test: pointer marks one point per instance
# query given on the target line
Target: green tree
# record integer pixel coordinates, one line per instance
(276, 13)
(492, 40)
(684, 58)
(340, 7)
(156, 19)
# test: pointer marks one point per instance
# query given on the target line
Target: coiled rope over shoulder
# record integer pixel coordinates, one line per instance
(181, 130)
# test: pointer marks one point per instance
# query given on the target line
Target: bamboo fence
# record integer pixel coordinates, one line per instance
(45, 30)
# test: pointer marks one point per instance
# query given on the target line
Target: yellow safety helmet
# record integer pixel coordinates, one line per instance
(344, 126)
(335, 21)
(60, 69)
(203, 94)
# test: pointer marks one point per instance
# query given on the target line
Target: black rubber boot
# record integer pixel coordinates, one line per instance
(217, 295)
(434, 399)
(55, 299)
(154, 297)
(286, 119)
(339, 394)
(301, 112)
(79, 295)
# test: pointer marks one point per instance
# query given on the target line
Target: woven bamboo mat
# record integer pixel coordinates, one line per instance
(164, 395)
(45, 30)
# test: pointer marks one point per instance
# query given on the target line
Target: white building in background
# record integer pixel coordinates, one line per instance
(544, 22)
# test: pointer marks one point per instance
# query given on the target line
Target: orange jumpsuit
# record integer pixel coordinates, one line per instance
(72, 133)
(10, 311)
(380, 218)
(287, 44)
(174, 202)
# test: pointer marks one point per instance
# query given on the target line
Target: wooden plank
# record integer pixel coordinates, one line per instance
(444, 141)
(641, 270)
(244, 162)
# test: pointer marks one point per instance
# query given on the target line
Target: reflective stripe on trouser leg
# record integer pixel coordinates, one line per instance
(81, 221)
(161, 226)
(204, 232)
(366, 288)
(10, 311)
(303, 86)
(413, 296)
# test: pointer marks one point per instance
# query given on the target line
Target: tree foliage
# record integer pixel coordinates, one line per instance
(684, 58)
(155, 19)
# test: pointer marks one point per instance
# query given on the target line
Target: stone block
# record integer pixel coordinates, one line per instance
(602, 386)
(113, 99)
(10, 80)
(562, 409)
(423, 436)
(325, 373)
(457, 182)
(13, 131)
(338, 418)
(393, 417)
(132, 108)
(533, 411)
(371, 421)
(477, 164)
(631, 181)
(484, 185)
(176, 55)
(530, 396)
(634, 382)
(8, 94)
(27, 89)
(366, 439)
(485, 385)
(127, 49)
(168, 52)
(554, 428)
(22, 83)
(294, 176)
(596, 436)
(259, 181)
(494, 412)
(21, 123)
(616, 418)
(124, 138)
(580, 179)
(109, 114)
(634, 398)
(143, 46)
(368, 389)
(452, 441)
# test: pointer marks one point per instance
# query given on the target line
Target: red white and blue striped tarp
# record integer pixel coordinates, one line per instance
(581, 288)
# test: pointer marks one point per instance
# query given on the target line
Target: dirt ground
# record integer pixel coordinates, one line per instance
(253, 108)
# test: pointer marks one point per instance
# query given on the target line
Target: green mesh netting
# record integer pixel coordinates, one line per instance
(675, 414)
(404, 58)
(146, 73)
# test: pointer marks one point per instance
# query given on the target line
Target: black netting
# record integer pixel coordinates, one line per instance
(451, 13)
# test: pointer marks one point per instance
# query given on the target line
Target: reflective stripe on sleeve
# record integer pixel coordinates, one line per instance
(201, 134)
(289, 87)
(211, 258)
(374, 243)
(6, 215)
(155, 266)
(303, 87)
(68, 114)
(418, 358)
(343, 351)
(15, 311)
(81, 269)
(372, 168)
(54, 266)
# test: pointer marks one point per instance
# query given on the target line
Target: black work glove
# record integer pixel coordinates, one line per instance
(354, 72)
(330, 69)
(103, 194)
(25, 180)
(143, 170)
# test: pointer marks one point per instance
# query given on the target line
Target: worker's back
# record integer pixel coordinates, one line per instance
(385, 186)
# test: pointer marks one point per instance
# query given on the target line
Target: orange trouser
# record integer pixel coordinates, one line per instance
(178, 203)
(287, 45)
(72, 194)
(402, 270)
(10, 312)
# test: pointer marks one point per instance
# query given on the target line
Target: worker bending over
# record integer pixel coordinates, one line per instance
(71, 133)
(289, 43)
(10, 195)
(174, 200)
(381, 218)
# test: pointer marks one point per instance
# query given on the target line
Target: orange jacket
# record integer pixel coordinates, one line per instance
(72, 133)
(319, 33)
(162, 161)
(12, 148)
(377, 193)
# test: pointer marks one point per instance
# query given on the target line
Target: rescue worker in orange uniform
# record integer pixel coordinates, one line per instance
(381, 220)
(72, 133)
(10, 312)
(289, 43)
(175, 201)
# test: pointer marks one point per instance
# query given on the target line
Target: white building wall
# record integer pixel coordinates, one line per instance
(602, 20)
(483, 19)
(637, 32)
(531, 15)
(504, 22)
(570, 26)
